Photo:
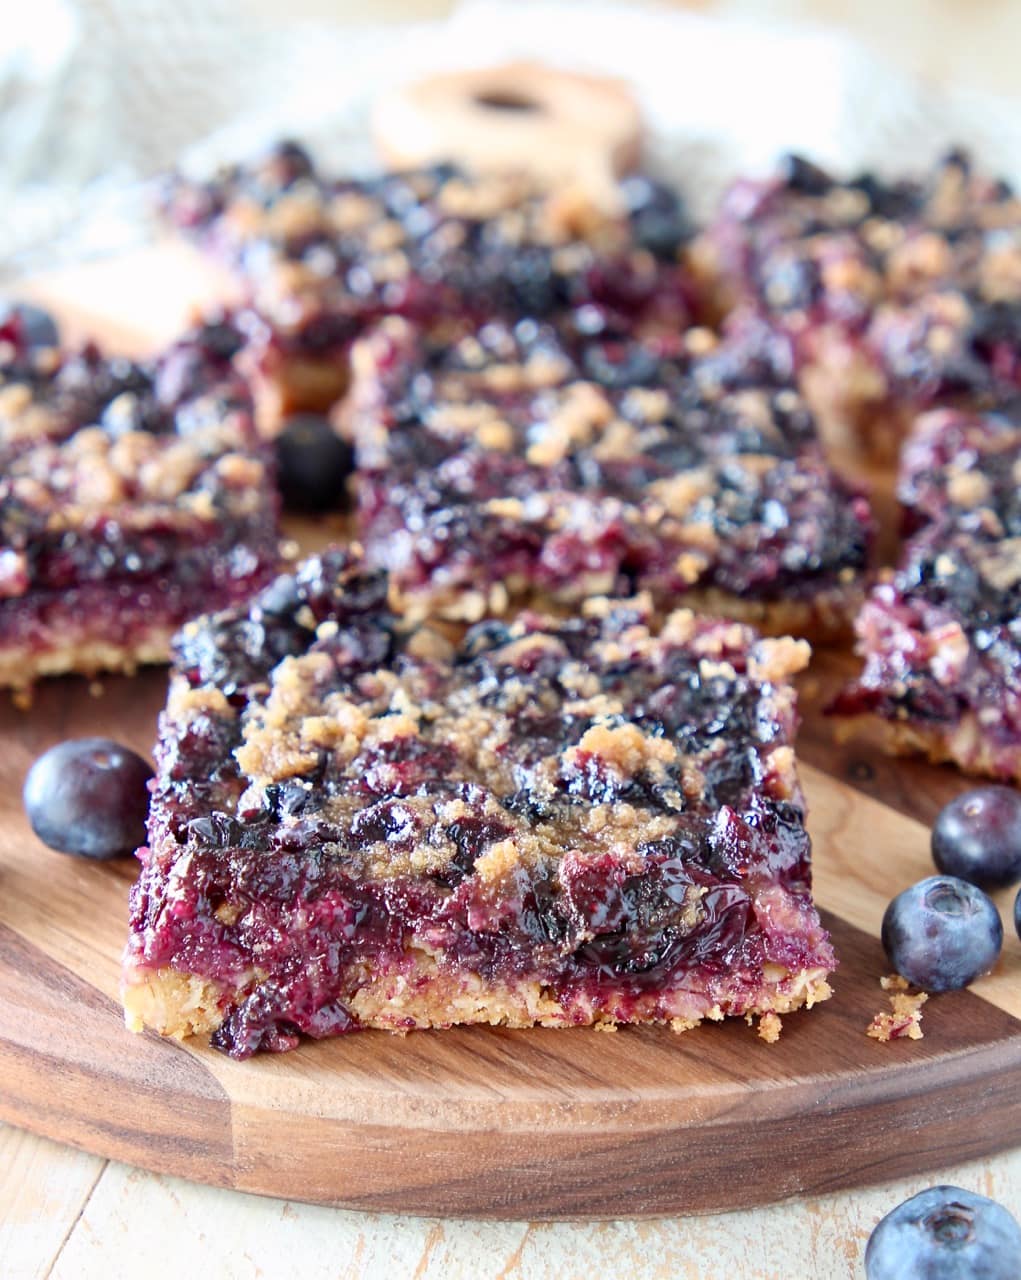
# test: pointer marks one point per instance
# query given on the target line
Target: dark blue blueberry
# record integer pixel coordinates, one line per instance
(945, 1233)
(1017, 914)
(36, 327)
(528, 282)
(313, 464)
(89, 797)
(617, 365)
(801, 175)
(220, 340)
(284, 164)
(977, 837)
(218, 830)
(482, 637)
(788, 280)
(942, 933)
(658, 217)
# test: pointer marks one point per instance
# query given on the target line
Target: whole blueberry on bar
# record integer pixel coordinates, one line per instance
(945, 1233)
(657, 214)
(284, 164)
(313, 465)
(942, 933)
(36, 327)
(801, 175)
(89, 797)
(977, 837)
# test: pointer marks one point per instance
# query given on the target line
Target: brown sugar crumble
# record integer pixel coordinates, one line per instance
(904, 1020)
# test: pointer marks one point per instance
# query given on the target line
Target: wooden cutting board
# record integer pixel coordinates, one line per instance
(491, 1122)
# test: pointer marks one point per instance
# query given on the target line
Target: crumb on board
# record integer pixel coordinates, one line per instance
(903, 1022)
(770, 1026)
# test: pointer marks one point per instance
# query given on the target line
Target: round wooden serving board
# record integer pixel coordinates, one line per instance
(491, 1122)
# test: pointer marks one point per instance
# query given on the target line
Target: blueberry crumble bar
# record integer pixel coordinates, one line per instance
(512, 468)
(894, 296)
(557, 822)
(319, 258)
(941, 636)
(132, 497)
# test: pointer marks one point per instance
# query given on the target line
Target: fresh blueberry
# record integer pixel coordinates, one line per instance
(482, 637)
(1017, 914)
(945, 1233)
(942, 933)
(978, 837)
(36, 327)
(313, 463)
(219, 339)
(88, 796)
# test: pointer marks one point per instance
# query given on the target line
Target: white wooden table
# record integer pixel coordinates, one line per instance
(69, 1215)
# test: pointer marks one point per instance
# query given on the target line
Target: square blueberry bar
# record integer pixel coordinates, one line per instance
(894, 296)
(558, 822)
(132, 497)
(512, 467)
(941, 635)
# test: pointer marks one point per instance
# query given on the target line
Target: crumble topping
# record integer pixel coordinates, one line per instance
(770, 1026)
(322, 257)
(912, 295)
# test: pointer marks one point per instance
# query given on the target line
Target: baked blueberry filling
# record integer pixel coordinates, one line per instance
(602, 815)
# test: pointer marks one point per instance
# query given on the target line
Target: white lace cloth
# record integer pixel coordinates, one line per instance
(96, 96)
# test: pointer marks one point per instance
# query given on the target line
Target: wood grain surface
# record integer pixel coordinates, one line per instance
(507, 1124)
